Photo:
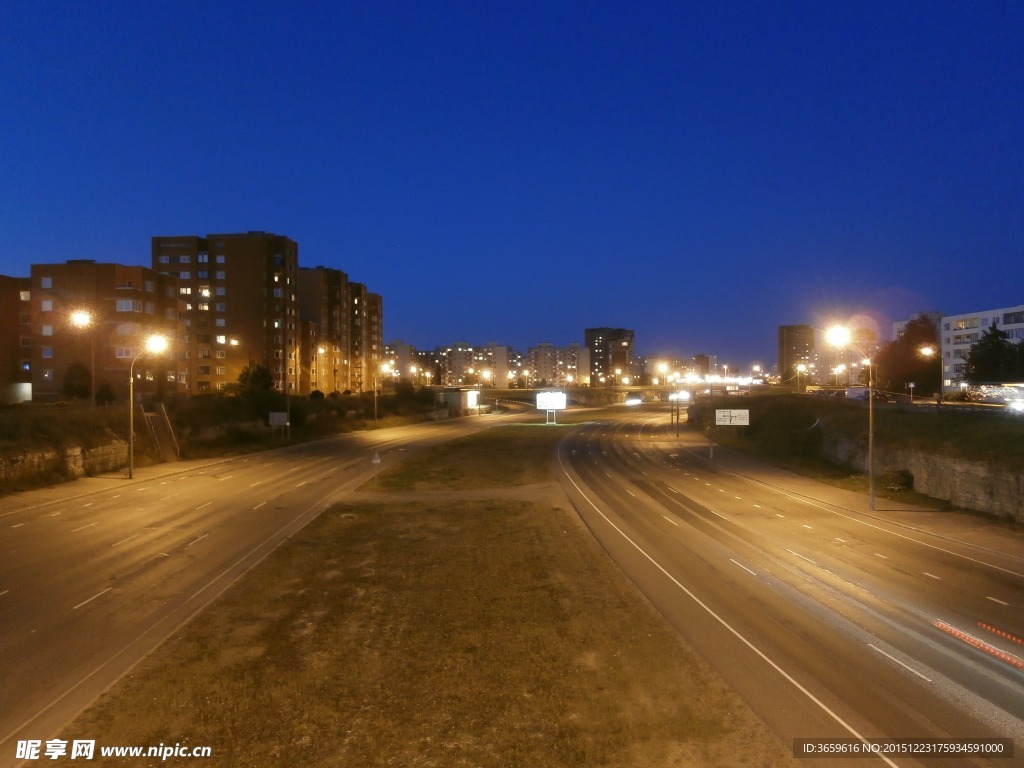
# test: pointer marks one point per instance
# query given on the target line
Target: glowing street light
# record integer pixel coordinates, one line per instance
(839, 336)
(799, 369)
(154, 345)
(82, 319)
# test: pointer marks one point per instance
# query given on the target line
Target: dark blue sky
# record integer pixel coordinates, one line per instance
(516, 172)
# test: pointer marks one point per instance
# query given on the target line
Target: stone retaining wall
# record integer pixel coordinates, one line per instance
(966, 484)
(70, 462)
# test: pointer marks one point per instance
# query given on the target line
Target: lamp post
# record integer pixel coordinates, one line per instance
(82, 319)
(799, 369)
(929, 351)
(840, 337)
(155, 344)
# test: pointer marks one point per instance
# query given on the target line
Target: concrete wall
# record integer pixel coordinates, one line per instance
(966, 484)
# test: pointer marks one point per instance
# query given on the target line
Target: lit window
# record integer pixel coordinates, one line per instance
(47, 330)
(46, 282)
(46, 305)
(46, 352)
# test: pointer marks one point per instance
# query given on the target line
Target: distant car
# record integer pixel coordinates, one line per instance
(634, 398)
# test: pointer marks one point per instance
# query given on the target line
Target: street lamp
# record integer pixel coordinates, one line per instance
(82, 319)
(928, 351)
(840, 337)
(155, 344)
(799, 369)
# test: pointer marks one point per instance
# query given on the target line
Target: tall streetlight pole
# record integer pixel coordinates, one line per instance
(840, 337)
(155, 344)
(83, 319)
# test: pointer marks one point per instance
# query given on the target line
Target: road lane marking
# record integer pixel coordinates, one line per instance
(671, 520)
(18, 525)
(222, 479)
(778, 515)
(797, 554)
(996, 600)
(197, 540)
(299, 485)
(56, 513)
(630, 493)
(718, 513)
(732, 630)
(905, 666)
(808, 527)
(4, 592)
(879, 554)
(931, 575)
(259, 505)
(203, 505)
(253, 485)
(841, 541)
(98, 594)
(741, 565)
(122, 541)
(90, 525)
(88, 504)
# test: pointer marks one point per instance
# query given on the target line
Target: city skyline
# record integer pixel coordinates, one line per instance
(517, 173)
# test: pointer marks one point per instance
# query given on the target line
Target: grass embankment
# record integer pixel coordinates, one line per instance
(485, 632)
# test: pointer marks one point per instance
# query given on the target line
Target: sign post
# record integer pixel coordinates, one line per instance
(728, 418)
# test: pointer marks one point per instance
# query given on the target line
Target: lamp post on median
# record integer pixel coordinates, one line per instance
(155, 344)
(840, 337)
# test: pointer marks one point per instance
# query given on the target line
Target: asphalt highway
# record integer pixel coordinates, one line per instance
(831, 620)
(96, 574)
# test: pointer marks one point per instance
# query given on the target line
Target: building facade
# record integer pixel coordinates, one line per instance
(796, 347)
(612, 354)
(240, 296)
(15, 340)
(958, 333)
(323, 308)
(91, 319)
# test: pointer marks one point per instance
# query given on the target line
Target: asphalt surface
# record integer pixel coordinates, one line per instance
(95, 574)
(831, 620)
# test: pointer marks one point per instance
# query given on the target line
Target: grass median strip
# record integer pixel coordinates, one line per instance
(484, 632)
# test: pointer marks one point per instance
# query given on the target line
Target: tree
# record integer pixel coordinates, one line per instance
(901, 362)
(255, 378)
(994, 358)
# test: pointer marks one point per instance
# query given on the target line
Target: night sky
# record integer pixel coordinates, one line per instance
(518, 171)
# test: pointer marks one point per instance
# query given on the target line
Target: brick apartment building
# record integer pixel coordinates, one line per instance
(16, 341)
(223, 301)
(98, 317)
(240, 306)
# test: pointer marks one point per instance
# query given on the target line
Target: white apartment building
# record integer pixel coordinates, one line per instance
(959, 332)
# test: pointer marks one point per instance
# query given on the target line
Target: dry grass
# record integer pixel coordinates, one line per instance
(409, 633)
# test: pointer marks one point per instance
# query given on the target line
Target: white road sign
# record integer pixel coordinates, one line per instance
(739, 418)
